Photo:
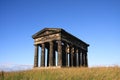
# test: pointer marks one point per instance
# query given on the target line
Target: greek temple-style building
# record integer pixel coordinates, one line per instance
(54, 47)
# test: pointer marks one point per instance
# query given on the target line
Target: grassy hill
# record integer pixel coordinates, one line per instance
(95, 73)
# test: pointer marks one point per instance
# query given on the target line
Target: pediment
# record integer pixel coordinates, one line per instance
(46, 31)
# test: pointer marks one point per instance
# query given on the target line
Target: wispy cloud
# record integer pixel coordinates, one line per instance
(14, 67)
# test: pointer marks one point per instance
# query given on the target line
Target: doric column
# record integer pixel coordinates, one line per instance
(66, 59)
(59, 53)
(74, 57)
(54, 61)
(77, 58)
(63, 55)
(80, 57)
(86, 60)
(83, 58)
(36, 56)
(43, 55)
(72, 52)
(51, 54)
(67, 52)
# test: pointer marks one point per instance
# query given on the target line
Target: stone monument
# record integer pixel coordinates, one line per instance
(59, 49)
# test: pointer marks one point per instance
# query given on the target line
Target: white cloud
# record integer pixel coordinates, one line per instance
(14, 67)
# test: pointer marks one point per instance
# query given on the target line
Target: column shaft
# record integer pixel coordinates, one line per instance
(86, 60)
(77, 60)
(67, 51)
(54, 61)
(43, 55)
(51, 54)
(74, 57)
(81, 59)
(72, 53)
(66, 59)
(82, 62)
(36, 56)
(59, 53)
(71, 59)
(63, 55)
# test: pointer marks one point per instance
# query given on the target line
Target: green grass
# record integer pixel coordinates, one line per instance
(96, 73)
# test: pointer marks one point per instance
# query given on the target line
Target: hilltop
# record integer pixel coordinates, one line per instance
(95, 73)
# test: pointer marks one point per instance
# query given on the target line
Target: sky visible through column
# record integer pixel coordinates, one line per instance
(97, 22)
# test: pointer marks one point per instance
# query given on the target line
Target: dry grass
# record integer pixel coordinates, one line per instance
(96, 73)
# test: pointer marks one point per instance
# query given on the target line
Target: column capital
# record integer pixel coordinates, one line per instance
(43, 45)
(67, 49)
(77, 51)
(72, 50)
(35, 44)
(51, 42)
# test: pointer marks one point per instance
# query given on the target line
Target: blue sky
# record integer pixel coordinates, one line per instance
(97, 22)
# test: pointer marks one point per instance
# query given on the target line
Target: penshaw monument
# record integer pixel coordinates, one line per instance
(54, 47)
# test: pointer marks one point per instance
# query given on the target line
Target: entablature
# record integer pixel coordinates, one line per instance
(47, 38)
(54, 34)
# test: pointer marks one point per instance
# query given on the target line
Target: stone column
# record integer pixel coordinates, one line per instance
(69, 56)
(77, 59)
(59, 53)
(83, 58)
(66, 59)
(43, 55)
(51, 54)
(54, 61)
(80, 57)
(72, 52)
(36, 56)
(63, 55)
(86, 60)
(67, 52)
